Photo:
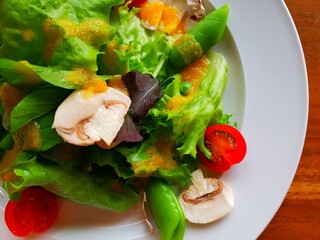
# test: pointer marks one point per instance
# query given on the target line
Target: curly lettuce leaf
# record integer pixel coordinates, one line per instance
(71, 183)
(180, 175)
(157, 156)
(191, 117)
(74, 52)
(136, 47)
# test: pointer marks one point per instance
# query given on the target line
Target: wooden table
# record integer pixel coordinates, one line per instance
(299, 214)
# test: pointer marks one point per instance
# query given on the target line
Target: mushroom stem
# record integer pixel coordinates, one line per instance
(206, 200)
(197, 8)
(205, 197)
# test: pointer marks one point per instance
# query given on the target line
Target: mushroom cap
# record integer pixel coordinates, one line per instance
(83, 119)
(206, 200)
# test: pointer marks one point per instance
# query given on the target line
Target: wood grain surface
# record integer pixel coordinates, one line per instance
(299, 214)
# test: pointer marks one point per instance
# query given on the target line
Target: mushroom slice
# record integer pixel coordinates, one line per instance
(164, 15)
(197, 8)
(86, 118)
(206, 200)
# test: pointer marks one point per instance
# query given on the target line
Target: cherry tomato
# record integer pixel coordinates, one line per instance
(227, 147)
(35, 211)
(136, 3)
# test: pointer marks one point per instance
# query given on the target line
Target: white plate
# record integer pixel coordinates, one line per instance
(268, 94)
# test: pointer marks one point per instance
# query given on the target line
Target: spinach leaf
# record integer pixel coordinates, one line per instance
(49, 136)
(57, 77)
(6, 141)
(27, 76)
(36, 104)
(18, 74)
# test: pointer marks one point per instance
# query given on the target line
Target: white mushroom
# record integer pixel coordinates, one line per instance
(197, 8)
(173, 10)
(85, 118)
(207, 200)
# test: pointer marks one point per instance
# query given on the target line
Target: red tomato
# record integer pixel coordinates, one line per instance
(35, 211)
(136, 3)
(227, 147)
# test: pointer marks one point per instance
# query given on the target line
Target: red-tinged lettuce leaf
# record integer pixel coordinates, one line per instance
(144, 91)
(129, 132)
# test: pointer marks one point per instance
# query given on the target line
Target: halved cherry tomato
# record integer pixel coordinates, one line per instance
(35, 211)
(135, 3)
(227, 147)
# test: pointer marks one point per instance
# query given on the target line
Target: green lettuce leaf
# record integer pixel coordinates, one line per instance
(50, 34)
(191, 120)
(73, 52)
(180, 175)
(66, 154)
(111, 158)
(71, 183)
(71, 155)
(149, 50)
(156, 156)
(25, 75)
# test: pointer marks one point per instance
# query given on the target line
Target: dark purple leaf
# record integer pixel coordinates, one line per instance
(129, 132)
(144, 91)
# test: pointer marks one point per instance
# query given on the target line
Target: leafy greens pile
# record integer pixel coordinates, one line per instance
(47, 51)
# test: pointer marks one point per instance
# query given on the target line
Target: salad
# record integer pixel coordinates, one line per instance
(109, 103)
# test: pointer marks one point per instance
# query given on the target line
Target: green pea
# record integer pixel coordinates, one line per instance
(166, 209)
(185, 88)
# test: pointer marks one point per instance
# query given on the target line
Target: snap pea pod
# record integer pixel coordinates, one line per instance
(166, 209)
(200, 38)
